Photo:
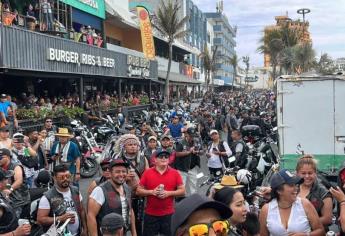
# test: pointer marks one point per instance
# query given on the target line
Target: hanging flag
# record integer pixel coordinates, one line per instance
(146, 33)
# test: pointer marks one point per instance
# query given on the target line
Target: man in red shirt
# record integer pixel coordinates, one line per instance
(160, 184)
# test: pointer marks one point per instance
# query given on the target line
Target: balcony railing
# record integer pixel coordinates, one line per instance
(87, 35)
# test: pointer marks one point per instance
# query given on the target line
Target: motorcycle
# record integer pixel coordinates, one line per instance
(91, 151)
(103, 132)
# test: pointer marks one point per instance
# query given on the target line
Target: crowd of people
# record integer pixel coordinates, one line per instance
(148, 184)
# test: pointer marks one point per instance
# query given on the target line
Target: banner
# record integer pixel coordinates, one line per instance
(93, 7)
(146, 33)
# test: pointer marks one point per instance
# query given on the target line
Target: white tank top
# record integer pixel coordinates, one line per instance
(298, 221)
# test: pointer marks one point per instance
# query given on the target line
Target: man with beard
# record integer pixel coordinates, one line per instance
(113, 196)
(128, 149)
(63, 201)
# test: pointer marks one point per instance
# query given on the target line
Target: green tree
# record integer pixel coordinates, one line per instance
(234, 62)
(304, 57)
(168, 23)
(246, 62)
(209, 63)
(325, 65)
(272, 44)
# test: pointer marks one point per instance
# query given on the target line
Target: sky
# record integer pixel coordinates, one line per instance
(327, 23)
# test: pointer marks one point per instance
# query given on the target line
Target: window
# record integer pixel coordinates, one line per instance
(113, 41)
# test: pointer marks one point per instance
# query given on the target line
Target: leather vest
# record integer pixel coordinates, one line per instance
(55, 200)
(19, 197)
(112, 202)
(9, 221)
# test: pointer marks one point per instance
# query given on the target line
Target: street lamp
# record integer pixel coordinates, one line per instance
(303, 11)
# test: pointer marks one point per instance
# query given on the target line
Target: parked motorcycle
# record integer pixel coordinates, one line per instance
(91, 151)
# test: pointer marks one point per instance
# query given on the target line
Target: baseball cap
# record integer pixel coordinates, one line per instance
(284, 177)
(5, 152)
(213, 131)
(165, 136)
(152, 137)
(118, 162)
(5, 174)
(161, 152)
(112, 221)
(193, 203)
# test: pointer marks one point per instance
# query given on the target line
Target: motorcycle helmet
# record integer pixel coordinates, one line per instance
(244, 176)
(43, 178)
(191, 131)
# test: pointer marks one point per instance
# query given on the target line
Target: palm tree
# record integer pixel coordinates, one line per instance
(170, 25)
(246, 62)
(272, 44)
(234, 62)
(209, 61)
(304, 56)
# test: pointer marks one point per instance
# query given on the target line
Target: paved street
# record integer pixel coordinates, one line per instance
(84, 183)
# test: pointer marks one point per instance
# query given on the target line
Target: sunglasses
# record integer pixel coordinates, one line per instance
(62, 177)
(163, 156)
(105, 168)
(220, 227)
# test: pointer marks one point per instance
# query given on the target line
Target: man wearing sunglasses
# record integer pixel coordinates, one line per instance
(64, 201)
(160, 184)
(200, 216)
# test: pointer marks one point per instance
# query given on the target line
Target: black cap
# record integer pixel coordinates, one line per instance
(43, 178)
(5, 174)
(118, 162)
(5, 152)
(112, 221)
(284, 177)
(193, 203)
(191, 131)
(161, 152)
(3, 95)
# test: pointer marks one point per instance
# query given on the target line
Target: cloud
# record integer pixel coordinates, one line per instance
(327, 26)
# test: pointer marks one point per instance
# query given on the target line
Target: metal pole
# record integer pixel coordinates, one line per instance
(81, 92)
(303, 11)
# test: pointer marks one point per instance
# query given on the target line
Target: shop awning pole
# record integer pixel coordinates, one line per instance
(81, 92)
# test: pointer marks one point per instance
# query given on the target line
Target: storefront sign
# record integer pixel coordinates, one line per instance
(138, 66)
(79, 58)
(146, 33)
(94, 7)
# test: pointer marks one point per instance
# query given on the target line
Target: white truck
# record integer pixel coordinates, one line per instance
(311, 117)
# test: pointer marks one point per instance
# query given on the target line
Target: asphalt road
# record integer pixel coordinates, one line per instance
(84, 183)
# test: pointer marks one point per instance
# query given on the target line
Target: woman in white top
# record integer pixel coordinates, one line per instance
(286, 214)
